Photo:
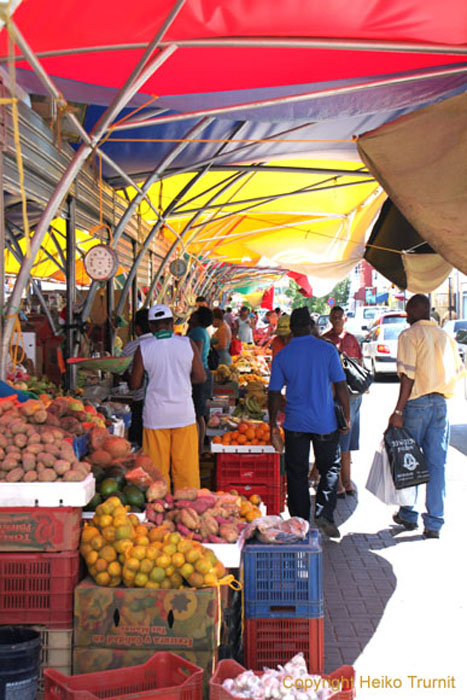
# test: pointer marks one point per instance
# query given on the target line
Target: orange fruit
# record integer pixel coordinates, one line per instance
(157, 574)
(176, 580)
(97, 542)
(132, 564)
(101, 565)
(114, 569)
(217, 439)
(163, 560)
(141, 530)
(186, 570)
(210, 579)
(142, 541)
(108, 553)
(109, 533)
(241, 439)
(139, 552)
(102, 578)
(85, 549)
(91, 558)
(156, 534)
(192, 555)
(141, 579)
(242, 428)
(250, 434)
(178, 559)
(196, 579)
(203, 565)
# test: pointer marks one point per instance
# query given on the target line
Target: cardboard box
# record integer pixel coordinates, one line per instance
(39, 529)
(141, 618)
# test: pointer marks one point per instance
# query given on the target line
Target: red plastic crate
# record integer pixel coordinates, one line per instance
(283, 492)
(164, 676)
(40, 529)
(269, 642)
(270, 495)
(251, 469)
(37, 589)
(344, 676)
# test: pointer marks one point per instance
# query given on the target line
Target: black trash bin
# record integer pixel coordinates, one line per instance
(20, 653)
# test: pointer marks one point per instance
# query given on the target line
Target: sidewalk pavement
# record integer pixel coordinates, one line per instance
(394, 602)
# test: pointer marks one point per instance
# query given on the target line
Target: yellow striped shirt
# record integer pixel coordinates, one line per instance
(429, 356)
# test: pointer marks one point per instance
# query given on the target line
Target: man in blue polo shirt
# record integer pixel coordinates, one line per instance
(309, 368)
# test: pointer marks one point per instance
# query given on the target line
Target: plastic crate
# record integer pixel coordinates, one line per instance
(39, 529)
(283, 493)
(269, 642)
(270, 495)
(37, 589)
(343, 676)
(249, 468)
(164, 676)
(56, 653)
(283, 580)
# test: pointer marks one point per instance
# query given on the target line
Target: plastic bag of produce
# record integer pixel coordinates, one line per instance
(272, 529)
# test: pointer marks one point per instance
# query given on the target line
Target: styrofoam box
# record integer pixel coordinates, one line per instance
(216, 447)
(57, 493)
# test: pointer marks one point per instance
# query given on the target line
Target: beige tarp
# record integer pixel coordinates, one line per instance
(421, 161)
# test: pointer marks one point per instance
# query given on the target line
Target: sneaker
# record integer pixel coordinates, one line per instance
(399, 521)
(327, 527)
(431, 534)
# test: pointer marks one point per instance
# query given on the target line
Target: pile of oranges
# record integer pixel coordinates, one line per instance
(171, 561)
(247, 433)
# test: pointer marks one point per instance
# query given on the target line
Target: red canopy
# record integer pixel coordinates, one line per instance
(74, 24)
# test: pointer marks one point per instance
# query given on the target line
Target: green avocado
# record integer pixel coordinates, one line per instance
(134, 496)
(98, 473)
(94, 502)
(118, 474)
(108, 487)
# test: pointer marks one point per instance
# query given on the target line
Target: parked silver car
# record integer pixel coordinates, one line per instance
(379, 348)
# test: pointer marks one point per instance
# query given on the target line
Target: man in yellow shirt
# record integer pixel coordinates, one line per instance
(429, 366)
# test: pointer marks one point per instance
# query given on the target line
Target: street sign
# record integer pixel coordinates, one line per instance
(331, 301)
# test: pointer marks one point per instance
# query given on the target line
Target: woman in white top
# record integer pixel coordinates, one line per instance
(245, 331)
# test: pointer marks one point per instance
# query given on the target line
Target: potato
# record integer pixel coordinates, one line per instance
(34, 438)
(31, 476)
(9, 463)
(28, 461)
(3, 475)
(47, 475)
(46, 458)
(20, 440)
(18, 426)
(67, 452)
(61, 466)
(84, 466)
(73, 475)
(40, 416)
(52, 449)
(34, 447)
(47, 437)
(2, 453)
(3, 442)
(9, 449)
(15, 475)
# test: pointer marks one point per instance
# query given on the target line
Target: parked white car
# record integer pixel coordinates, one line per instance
(364, 317)
(379, 348)
(453, 327)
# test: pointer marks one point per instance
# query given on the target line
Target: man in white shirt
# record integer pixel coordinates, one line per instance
(143, 332)
(172, 363)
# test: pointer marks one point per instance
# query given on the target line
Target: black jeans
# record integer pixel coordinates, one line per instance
(135, 432)
(327, 460)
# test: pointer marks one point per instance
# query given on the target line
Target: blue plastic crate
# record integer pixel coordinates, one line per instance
(283, 581)
(81, 445)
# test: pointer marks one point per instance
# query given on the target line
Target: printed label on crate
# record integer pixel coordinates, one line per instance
(143, 618)
(93, 660)
(39, 529)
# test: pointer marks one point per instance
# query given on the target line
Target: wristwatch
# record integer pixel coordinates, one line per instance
(398, 413)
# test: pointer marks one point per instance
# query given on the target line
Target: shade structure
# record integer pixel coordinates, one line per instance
(397, 251)
(304, 81)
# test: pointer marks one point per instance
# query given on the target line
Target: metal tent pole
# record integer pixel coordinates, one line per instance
(70, 373)
(141, 72)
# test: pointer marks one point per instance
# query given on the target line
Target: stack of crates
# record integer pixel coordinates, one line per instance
(283, 603)
(39, 569)
(251, 473)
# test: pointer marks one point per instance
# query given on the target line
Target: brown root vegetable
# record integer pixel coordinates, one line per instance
(190, 518)
(35, 447)
(3, 442)
(34, 437)
(12, 449)
(117, 447)
(28, 461)
(73, 475)
(30, 476)
(61, 466)
(40, 416)
(158, 489)
(70, 423)
(20, 440)
(59, 406)
(186, 494)
(18, 426)
(3, 475)
(80, 415)
(29, 407)
(100, 458)
(46, 458)
(15, 475)
(210, 523)
(52, 419)
(228, 532)
(84, 466)
(9, 463)
(47, 475)
(2, 453)
(144, 462)
(52, 448)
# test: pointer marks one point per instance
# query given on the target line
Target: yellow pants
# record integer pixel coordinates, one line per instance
(174, 451)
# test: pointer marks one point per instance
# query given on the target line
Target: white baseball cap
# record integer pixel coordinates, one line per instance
(159, 312)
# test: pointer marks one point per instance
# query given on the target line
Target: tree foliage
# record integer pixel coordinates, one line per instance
(319, 304)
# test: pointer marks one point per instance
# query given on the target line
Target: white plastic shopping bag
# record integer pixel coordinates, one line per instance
(380, 482)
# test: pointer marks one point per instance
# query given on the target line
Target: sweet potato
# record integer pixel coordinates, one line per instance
(15, 475)
(210, 523)
(47, 475)
(183, 530)
(157, 490)
(201, 505)
(190, 518)
(228, 532)
(214, 539)
(186, 494)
